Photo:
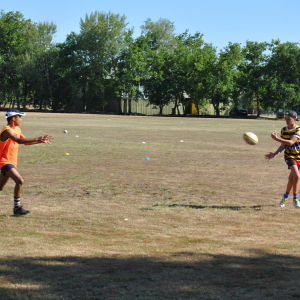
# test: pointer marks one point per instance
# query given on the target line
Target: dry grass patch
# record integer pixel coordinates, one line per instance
(199, 220)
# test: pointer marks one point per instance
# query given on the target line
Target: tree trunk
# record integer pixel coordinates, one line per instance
(161, 109)
(13, 82)
(84, 96)
(129, 103)
(175, 107)
(49, 83)
(41, 98)
(258, 110)
(216, 107)
(46, 70)
(178, 110)
(24, 101)
(120, 106)
(129, 106)
(17, 97)
(50, 90)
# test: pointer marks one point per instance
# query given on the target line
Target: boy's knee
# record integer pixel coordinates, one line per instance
(20, 181)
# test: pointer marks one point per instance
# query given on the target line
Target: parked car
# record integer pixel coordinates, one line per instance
(280, 113)
(238, 111)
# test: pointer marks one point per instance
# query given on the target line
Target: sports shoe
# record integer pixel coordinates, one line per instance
(20, 211)
(296, 203)
(283, 201)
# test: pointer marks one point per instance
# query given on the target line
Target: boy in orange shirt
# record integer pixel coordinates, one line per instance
(10, 138)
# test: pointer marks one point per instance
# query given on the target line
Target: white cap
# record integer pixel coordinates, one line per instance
(13, 112)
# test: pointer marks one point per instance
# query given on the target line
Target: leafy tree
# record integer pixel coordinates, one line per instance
(132, 69)
(46, 55)
(156, 84)
(220, 77)
(28, 77)
(194, 56)
(210, 76)
(94, 53)
(70, 73)
(13, 41)
(253, 81)
(283, 76)
(162, 32)
(74, 69)
(177, 71)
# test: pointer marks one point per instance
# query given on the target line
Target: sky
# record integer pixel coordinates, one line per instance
(220, 21)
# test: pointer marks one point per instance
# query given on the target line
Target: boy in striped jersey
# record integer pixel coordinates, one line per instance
(290, 143)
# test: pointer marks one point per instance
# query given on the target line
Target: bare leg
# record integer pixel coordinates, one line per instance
(295, 178)
(3, 181)
(14, 174)
(290, 183)
(16, 177)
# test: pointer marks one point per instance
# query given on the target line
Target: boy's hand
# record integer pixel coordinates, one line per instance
(270, 155)
(274, 135)
(47, 139)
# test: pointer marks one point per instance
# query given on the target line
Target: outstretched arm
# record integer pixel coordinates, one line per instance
(272, 155)
(46, 139)
(8, 134)
(290, 142)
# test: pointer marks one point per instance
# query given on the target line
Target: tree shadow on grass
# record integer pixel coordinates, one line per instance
(225, 207)
(257, 276)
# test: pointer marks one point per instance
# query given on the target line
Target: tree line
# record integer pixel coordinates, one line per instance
(103, 61)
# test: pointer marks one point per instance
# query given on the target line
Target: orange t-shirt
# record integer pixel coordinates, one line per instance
(9, 149)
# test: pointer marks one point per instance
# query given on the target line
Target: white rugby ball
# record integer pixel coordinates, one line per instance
(65, 131)
(250, 138)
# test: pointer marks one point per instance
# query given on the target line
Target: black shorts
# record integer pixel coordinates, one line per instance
(6, 168)
(291, 162)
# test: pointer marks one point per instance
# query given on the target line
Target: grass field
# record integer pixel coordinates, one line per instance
(199, 220)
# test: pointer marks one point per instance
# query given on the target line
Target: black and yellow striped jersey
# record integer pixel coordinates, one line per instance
(293, 151)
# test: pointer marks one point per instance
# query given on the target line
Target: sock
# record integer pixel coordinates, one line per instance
(295, 196)
(17, 202)
(286, 195)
